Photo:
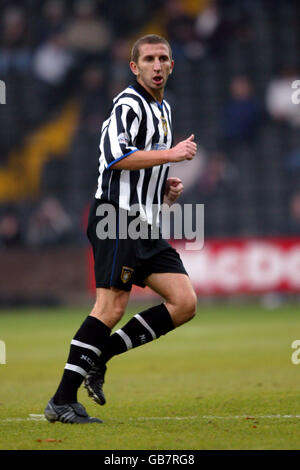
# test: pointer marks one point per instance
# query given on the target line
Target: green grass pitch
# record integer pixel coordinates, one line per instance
(223, 381)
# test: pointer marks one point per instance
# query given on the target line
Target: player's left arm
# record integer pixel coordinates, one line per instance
(174, 188)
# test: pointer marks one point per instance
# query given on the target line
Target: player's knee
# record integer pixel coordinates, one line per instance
(184, 308)
(117, 312)
(189, 306)
(109, 316)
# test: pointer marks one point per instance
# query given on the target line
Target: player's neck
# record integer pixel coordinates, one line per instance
(157, 95)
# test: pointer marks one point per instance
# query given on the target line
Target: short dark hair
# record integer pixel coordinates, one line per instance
(148, 39)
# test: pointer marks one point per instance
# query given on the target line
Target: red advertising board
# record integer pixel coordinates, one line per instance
(248, 265)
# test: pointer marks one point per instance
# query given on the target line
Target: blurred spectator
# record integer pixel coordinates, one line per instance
(293, 227)
(278, 98)
(53, 64)
(241, 114)
(15, 41)
(128, 17)
(210, 29)
(293, 160)
(52, 60)
(52, 21)
(215, 27)
(218, 173)
(10, 230)
(120, 73)
(49, 224)
(179, 27)
(93, 99)
(86, 32)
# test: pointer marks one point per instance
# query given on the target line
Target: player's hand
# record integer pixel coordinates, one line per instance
(185, 150)
(174, 188)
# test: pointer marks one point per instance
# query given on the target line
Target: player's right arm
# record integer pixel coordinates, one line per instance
(184, 150)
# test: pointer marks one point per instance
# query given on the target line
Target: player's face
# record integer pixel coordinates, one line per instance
(153, 68)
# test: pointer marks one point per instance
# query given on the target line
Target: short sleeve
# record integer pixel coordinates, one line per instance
(118, 137)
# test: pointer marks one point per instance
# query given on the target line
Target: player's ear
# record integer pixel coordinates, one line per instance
(172, 66)
(133, 67)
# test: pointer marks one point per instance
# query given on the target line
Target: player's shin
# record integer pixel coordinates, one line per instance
(142, 328)
(84, 353)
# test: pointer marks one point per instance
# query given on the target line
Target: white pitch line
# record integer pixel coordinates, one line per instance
(218, 417)
(40, 417)
(142, 418)
(252, 417)
(35, 417)
(31, 417)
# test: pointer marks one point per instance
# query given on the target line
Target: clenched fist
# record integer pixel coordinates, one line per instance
(174, 188)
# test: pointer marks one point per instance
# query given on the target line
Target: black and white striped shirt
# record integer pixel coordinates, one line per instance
(137, 122)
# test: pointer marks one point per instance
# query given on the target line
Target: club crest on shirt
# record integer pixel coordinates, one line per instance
(126, 274)
(165, 125)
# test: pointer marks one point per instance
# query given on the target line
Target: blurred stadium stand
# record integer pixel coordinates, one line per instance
(235, 61)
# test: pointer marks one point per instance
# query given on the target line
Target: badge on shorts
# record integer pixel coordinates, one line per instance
(126, 274)
(165, 125)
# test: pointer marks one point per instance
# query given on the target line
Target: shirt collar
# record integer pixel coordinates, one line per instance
(144, 93)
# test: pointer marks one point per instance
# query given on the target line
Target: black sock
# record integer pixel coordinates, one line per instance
(142, 328)
(84, 352)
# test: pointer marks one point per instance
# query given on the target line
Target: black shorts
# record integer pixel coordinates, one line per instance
(121, 262)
